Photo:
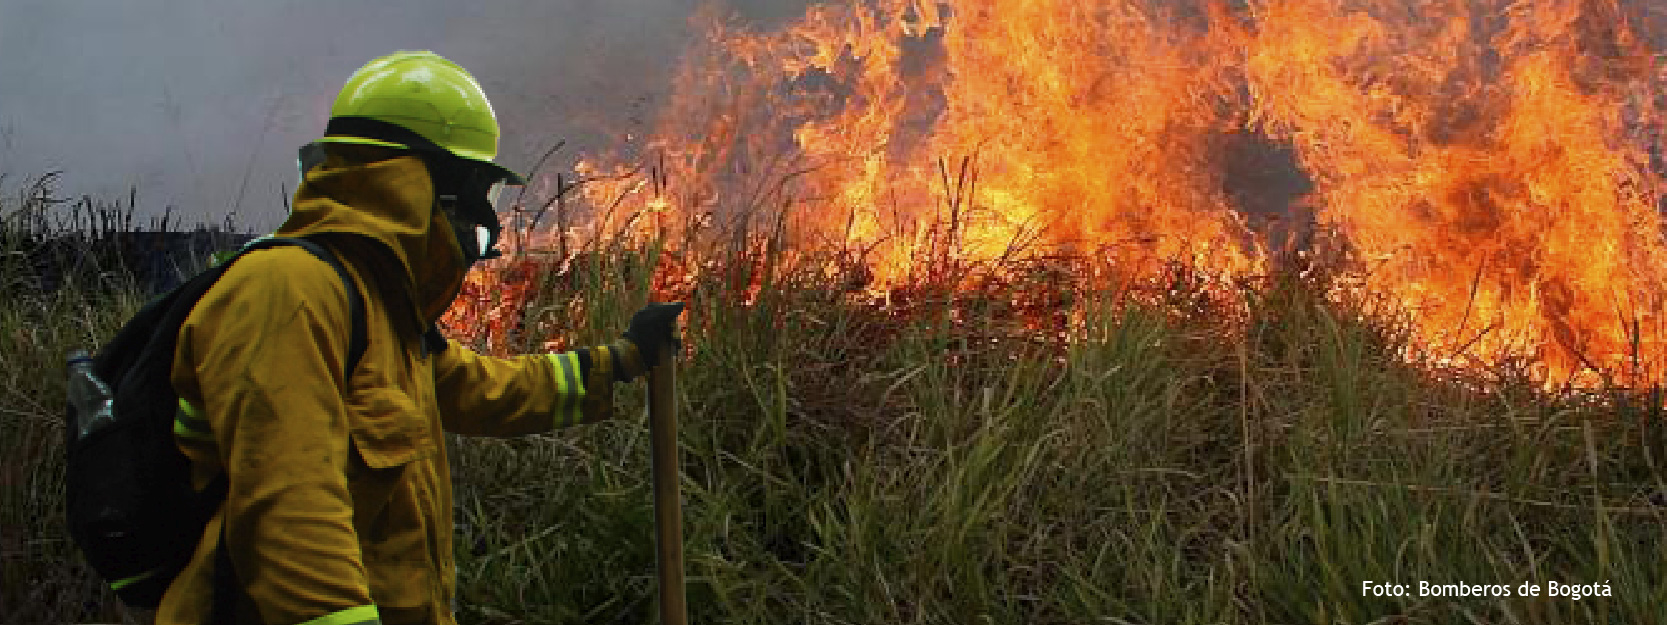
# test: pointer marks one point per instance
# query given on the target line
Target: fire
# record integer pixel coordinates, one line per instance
(1484, 169)
(908, 129)
(1484, 162)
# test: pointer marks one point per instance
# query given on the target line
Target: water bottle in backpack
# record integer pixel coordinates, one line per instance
(129, 501)
(89, 395)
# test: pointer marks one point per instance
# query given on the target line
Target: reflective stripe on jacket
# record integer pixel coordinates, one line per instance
(339, 509)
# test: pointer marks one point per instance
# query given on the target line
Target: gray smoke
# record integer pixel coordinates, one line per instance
(201, 104)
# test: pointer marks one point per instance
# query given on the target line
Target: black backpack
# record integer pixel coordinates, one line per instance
(130, 505)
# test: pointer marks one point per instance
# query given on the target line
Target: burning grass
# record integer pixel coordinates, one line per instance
(1014, 452)
(1000, 441)
(1492, 166)
(1074, 376)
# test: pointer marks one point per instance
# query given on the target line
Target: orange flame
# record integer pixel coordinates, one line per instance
(904, 128)
(1484, 161)
(1484, 168)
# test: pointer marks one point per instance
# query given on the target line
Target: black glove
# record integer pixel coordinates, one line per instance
(654, 327)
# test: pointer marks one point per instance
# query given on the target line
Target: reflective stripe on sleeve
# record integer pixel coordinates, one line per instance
(570, 391)
(125, 582)
(362, 615)
(189, 423)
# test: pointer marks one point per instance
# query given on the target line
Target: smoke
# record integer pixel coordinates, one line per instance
(201, 104)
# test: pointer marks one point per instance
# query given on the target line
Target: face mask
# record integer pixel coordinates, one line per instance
(469, 196)
(477, 241)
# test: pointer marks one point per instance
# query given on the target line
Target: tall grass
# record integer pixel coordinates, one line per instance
(846, 463)
(42, 578)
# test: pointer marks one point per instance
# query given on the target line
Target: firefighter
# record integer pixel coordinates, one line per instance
(339, 506)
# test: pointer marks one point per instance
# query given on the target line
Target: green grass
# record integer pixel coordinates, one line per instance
(847, 464)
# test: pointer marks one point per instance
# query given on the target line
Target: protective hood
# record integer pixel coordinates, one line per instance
(388, 208)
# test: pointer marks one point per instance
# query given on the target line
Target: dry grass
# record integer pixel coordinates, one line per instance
(851, 463)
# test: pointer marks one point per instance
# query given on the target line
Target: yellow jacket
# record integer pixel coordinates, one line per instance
(339, 509)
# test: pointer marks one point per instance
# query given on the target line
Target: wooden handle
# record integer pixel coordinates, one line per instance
(668, 506)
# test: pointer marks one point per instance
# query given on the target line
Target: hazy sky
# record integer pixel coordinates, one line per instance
(201, 104)
(195, 100)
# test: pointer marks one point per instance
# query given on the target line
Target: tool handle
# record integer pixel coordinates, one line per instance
(668, 509)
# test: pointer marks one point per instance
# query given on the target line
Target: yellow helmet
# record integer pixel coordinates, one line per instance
(417, 101)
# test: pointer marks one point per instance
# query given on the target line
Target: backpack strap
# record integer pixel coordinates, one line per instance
(227, 588)
(355, 302)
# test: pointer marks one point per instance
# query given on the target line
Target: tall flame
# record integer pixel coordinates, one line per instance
(1476, 152)
(903, 126)
(1485, 162)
